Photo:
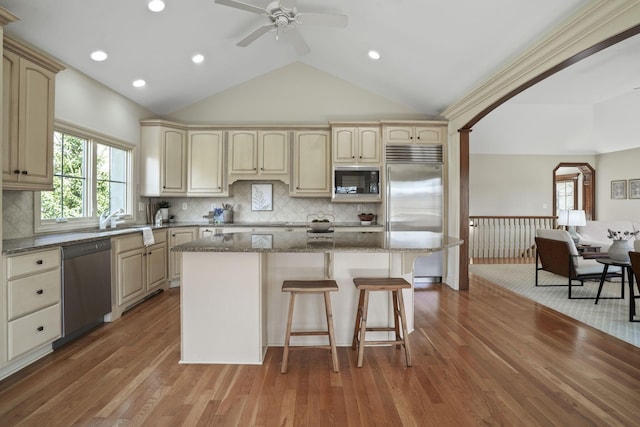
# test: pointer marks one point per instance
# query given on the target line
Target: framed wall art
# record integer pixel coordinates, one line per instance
(261, 197)
(619, 189)
(634, 188)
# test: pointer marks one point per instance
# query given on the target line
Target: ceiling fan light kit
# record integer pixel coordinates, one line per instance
(284, 16)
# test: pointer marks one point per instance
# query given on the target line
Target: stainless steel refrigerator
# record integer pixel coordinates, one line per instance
(414, 200)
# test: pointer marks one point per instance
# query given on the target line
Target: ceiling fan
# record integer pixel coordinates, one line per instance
(284, 17)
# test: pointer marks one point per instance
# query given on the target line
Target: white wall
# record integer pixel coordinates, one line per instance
(85, 102)
(616, 166)
(294, 94)
(506, 185)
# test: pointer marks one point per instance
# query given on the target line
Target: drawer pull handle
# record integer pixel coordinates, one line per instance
(39, 262)
(40, 328)
(40, 292)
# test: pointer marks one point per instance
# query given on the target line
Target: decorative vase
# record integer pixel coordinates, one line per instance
(619, 250)
(165, 214)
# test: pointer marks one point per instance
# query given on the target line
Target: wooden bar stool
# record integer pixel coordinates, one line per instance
(390, 284)
(310, 287)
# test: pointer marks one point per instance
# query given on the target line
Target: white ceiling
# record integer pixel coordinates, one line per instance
(433, 53)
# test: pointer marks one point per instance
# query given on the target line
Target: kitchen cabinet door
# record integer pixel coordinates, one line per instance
(178, 236)
(243, 152)
(429, 135)
(273, 152)
(173, 162)
(311, 164)
(344, 145)
(131, 275)
(205, 153)
(156, 259)
(368, 145)
(28, 105)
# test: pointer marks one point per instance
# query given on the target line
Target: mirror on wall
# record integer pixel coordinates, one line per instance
(574, 187)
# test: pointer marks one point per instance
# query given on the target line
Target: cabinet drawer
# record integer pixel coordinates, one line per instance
(134, 241)
(33, 262)
(33, 330)
(32, 293)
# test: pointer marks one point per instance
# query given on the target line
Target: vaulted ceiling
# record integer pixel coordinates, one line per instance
(432, 51)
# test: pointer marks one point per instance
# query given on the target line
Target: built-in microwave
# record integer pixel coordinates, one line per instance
(356, 183)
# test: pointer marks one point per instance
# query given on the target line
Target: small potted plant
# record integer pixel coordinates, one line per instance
(164, 206)
(366, 218)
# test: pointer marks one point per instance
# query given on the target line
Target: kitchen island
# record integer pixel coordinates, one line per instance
(232, 307)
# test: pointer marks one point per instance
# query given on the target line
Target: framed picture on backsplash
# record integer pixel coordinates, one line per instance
(619, 189)
(634, 188)
(261, 197)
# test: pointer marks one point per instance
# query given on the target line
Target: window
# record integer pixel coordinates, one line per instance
(91, 175)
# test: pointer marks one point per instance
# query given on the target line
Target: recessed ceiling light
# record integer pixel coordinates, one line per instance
(139, 83)
(98, 55)
(156, 5)
(374, 54)
(197, 58)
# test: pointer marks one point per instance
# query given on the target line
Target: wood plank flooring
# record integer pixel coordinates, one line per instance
(482, 357)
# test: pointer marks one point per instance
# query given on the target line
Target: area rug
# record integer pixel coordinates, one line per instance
(609, 315)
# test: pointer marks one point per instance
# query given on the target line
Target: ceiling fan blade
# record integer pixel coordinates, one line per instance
(243, 6)
(288, 4)
(324, 19)
(255, 35)
(298, 42)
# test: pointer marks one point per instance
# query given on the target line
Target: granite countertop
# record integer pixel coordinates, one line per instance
(301, 241)
(14, 246)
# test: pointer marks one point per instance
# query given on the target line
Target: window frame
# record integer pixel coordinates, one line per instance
(93, 138)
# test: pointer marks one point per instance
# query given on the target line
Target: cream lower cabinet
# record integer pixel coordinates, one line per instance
(32, 314)
(28, 111)
(178, 236)
(139, 270)
(311, 164)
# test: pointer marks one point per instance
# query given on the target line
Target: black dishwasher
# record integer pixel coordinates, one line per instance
(86, 288)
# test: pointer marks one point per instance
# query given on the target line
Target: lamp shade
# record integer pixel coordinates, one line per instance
(576, 218)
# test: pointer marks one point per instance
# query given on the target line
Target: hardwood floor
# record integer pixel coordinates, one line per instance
(482, 357)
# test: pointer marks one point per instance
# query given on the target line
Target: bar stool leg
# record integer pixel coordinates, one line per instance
(396, 316)
(332, 338)
(405, 335)
(287, 338)
(363, 327)
(356, 328)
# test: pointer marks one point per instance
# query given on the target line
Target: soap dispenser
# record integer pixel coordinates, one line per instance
(158, 218)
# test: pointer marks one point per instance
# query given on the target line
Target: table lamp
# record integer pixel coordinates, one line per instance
(572, 219)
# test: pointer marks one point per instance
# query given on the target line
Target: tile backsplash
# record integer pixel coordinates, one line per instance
(17, 209)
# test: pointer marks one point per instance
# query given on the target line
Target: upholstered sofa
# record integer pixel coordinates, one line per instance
(595, 233)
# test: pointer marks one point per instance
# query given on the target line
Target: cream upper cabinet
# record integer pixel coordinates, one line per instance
(261, 154)
(164, 154)
(243, 152)
(311, 164)
(424, 134)
(354, 145)
(28, 112)
(205, 168)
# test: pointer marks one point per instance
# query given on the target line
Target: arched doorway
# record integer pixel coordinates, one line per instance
(576, 183)
(465, 131)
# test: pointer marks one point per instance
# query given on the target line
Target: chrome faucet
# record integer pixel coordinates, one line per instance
(113, 217)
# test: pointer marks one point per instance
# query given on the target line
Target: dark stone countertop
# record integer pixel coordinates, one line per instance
(302, 241)
(14, 246)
